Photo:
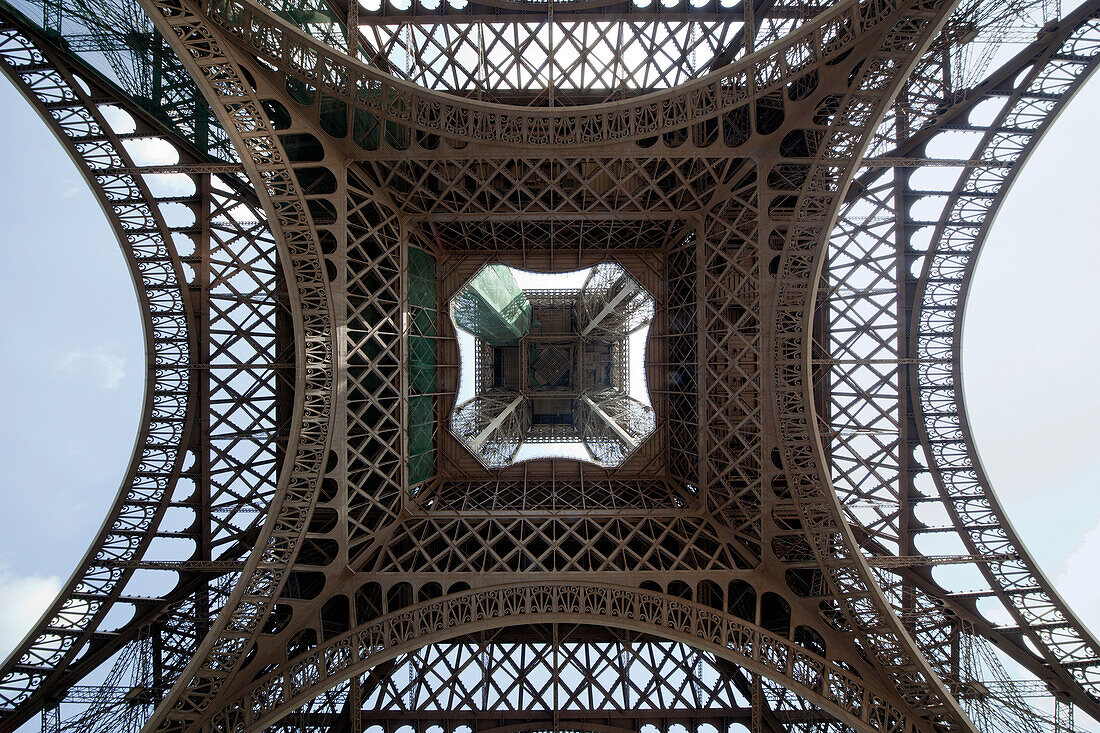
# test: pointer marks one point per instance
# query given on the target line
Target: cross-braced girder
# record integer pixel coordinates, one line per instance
(768, 524)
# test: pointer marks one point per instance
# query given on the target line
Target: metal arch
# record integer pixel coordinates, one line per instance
(234, 292)
(869, 289)
(978, 518)
(835, 690)
(863, 334)
(593, 727)
(803, 456)
(168, 322)
(734, 387)
(250, 603)
(466, 123)
(641, 681)
(871, 240)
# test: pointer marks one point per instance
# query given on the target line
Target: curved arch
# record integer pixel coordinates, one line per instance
(961, 231)
(281, 43)
(312, 317)
(803, 456)
(837, 691)
(170, 344)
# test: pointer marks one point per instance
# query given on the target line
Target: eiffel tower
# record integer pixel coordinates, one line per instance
(732, 545)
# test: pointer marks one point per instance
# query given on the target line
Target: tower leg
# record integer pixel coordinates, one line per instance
(757, 705)
(51, 720)
(1063, 716)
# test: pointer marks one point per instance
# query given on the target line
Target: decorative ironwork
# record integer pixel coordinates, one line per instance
(65, 103)
(754, 172)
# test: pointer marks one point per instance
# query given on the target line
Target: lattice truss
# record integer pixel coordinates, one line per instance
(493, 425)
(613, 303)
(555, 677)
(612, 424)
(802, 188)
(551, 366)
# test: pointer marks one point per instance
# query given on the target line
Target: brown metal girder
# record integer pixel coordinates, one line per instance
(483, 12)
(761, 576)
(746, 561)
(231, 32)
(804, 611)
(105, 91)
(1050, 38)
(760, 9)
(1082, 696)
(88, 638)
(274, 709)
(909, 668)
(736, 675)
(270, 87)
(1007, 640)
(375, 678)
(99, 653)
(312, 319)
(528, 720)
(478, 151)
(102, 90)
(565, 216)
(628, 578)
(339, 9)
(632, 719)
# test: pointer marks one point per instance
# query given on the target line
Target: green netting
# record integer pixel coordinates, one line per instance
(421, 279)
(493, 308)
(421, 443)
(424, 312)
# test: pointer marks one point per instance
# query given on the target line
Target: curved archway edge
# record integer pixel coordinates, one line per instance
(837, 691)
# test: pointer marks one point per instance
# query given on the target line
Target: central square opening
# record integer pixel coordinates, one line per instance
(552, 365)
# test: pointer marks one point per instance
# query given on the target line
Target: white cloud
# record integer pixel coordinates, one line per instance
(22, 600)
(151, 151)
(1077, 581)
(108, 366)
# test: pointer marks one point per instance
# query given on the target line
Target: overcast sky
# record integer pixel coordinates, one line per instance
(1030, 356)
(72, 371)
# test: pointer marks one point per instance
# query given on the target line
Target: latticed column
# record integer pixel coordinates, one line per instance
(493, 424)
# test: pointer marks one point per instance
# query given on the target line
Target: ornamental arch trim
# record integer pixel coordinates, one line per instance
(840, 693)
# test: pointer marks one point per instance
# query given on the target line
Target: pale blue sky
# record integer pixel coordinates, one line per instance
(72, 366)
(72, 371)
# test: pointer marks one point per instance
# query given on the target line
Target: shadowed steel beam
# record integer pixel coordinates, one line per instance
(628, 288)
(481, 438)
(622, 435)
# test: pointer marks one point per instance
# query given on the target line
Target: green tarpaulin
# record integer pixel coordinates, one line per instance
(493, 308)
(424, 310)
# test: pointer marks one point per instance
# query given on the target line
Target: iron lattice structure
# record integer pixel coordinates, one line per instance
(551, 366)
(756, 167)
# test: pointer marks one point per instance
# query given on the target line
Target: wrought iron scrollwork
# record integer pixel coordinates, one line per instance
(66, 105)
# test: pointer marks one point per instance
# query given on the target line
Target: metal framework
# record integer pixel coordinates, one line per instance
(742, 177)
(552, 366)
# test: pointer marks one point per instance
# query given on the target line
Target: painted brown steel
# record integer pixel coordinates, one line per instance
(168, 323)
(728, 512)
(267, 567)
(462, 122)
(840, 693)
(238, 306)
(1065, 644)
(804, 458)
(868, 311)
